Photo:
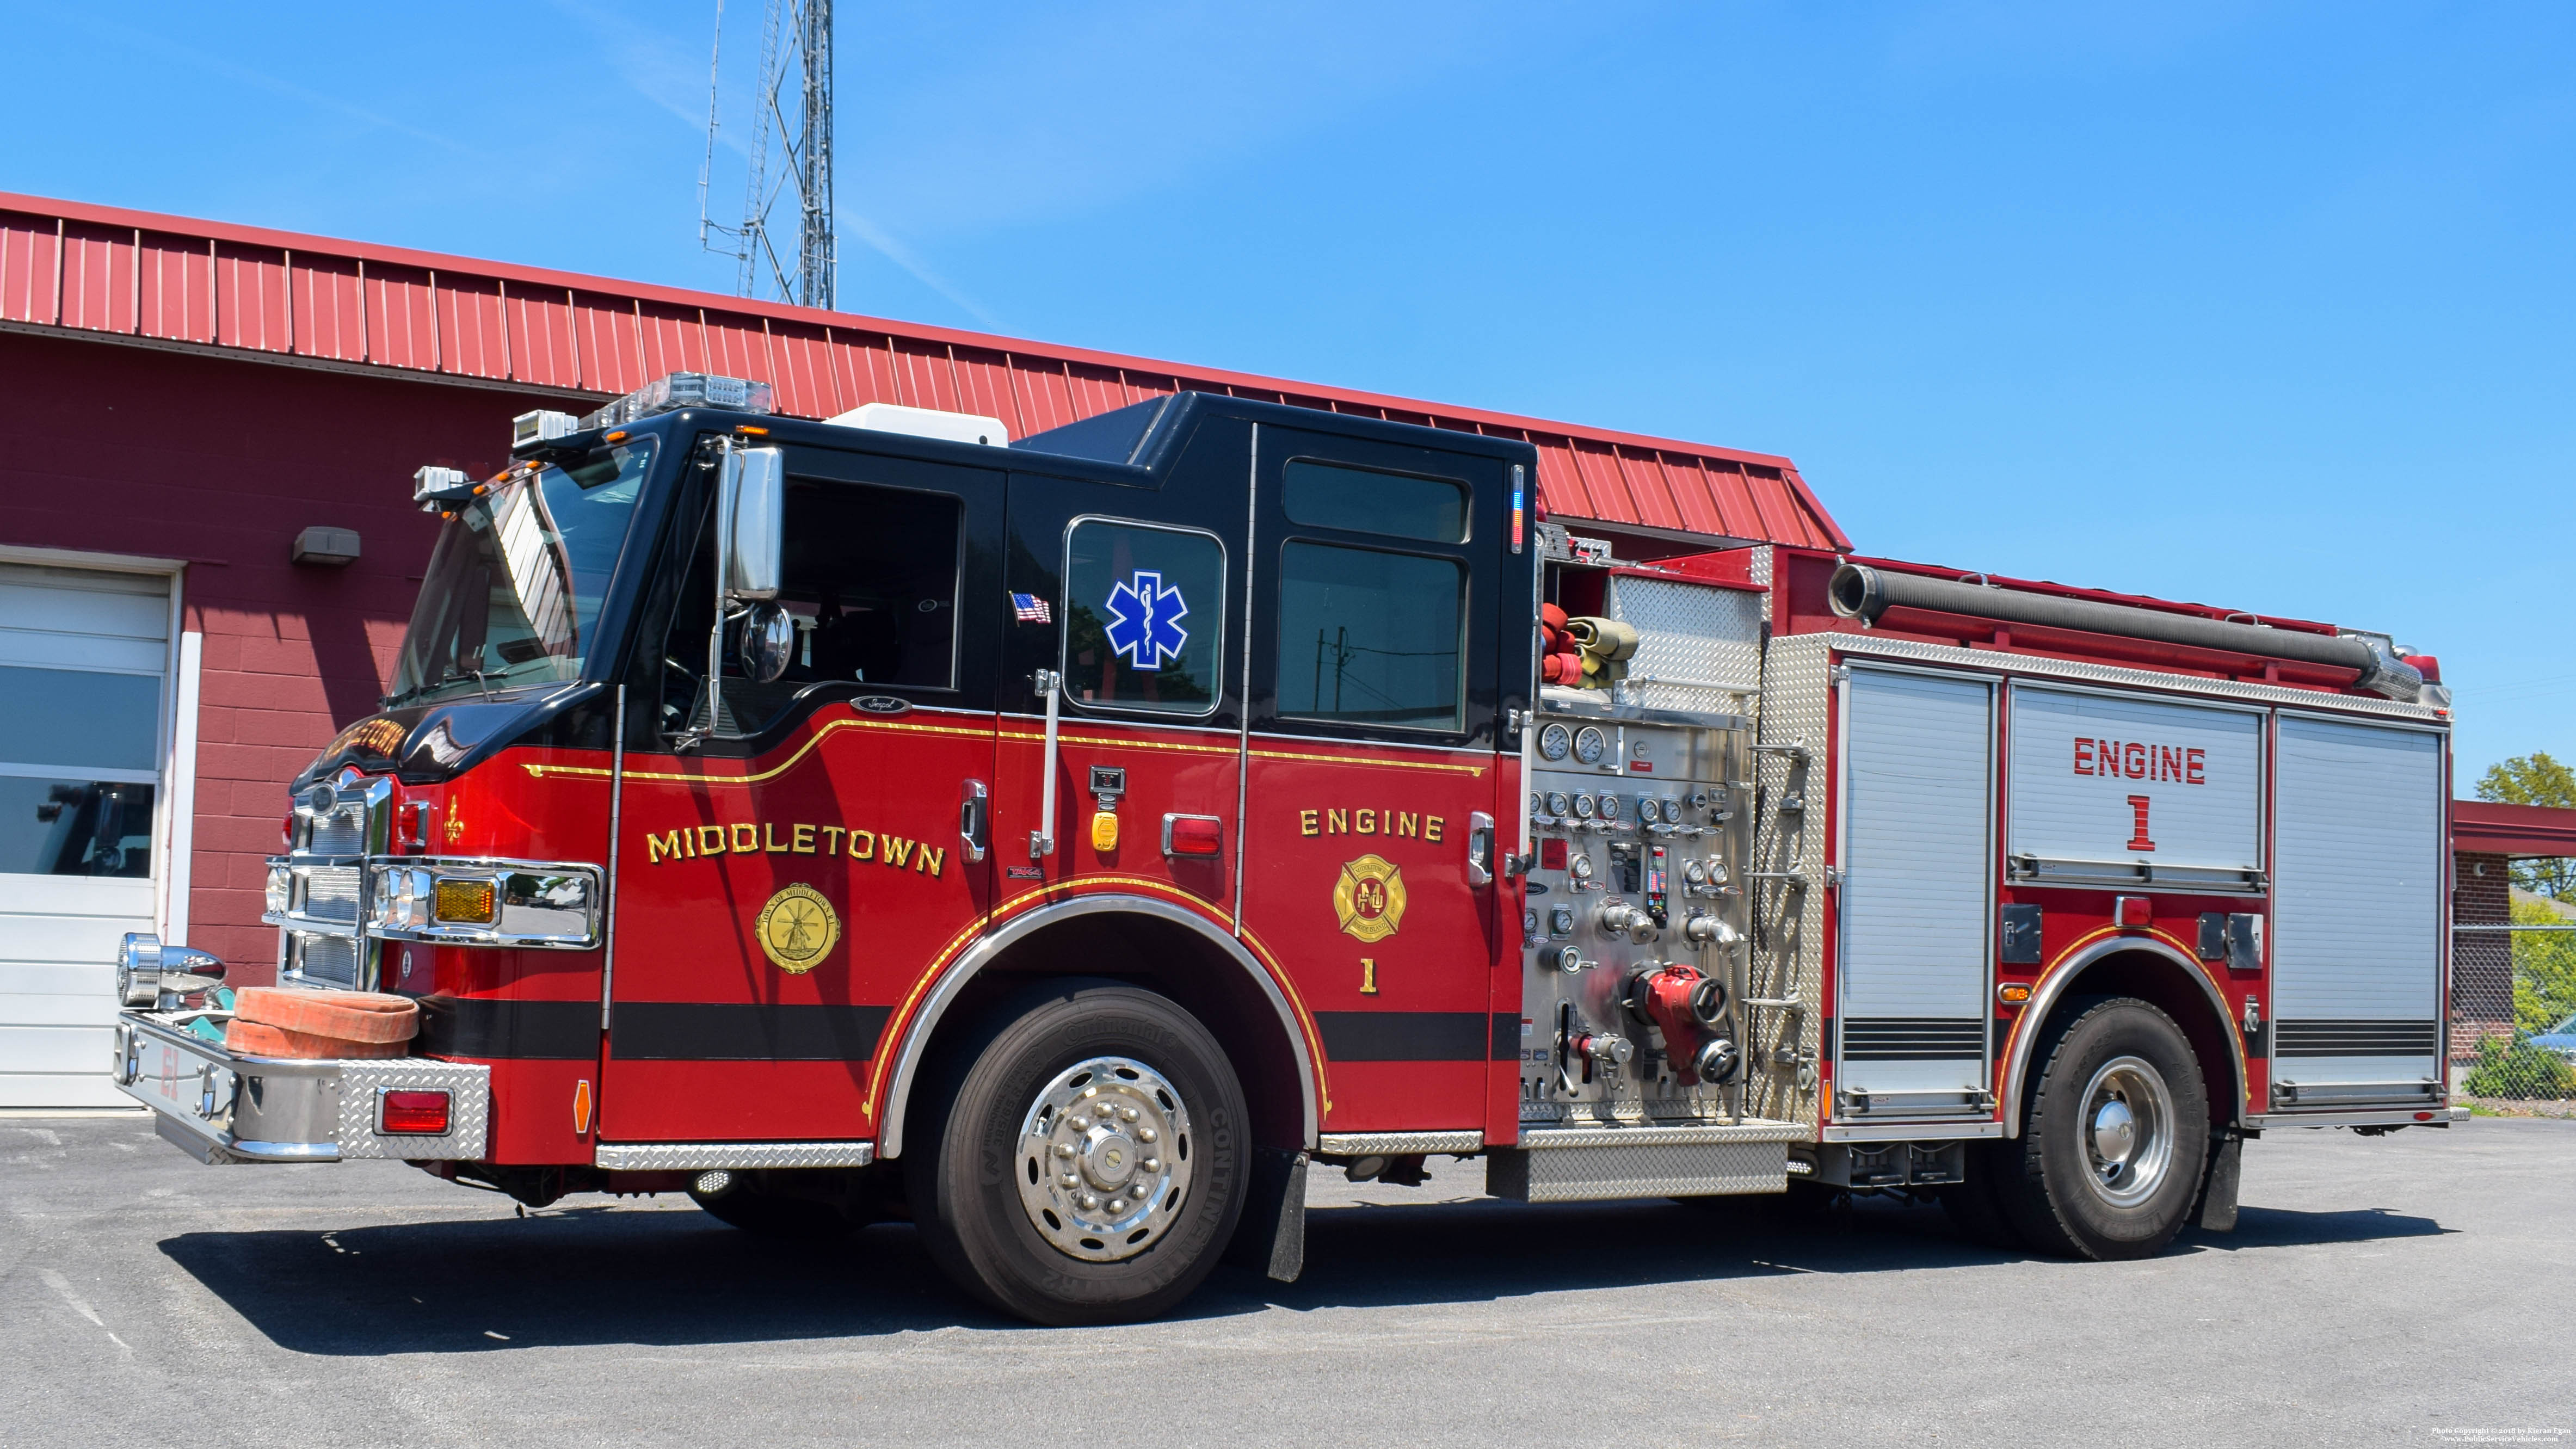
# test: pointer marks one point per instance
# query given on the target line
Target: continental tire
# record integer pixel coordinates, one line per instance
(1081, 1157)
(2115, 1134)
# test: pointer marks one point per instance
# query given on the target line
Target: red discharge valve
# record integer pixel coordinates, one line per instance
(1688, 1008)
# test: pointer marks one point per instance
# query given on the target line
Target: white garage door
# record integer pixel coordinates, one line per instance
(83, 657)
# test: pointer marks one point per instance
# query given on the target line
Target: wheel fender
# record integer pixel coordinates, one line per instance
(924, 1022)
(2053, 987)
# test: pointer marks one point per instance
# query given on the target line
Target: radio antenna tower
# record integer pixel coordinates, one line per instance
(792, 108)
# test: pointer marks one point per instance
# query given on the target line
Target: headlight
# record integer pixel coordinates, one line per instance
(402, 898)
(487, 904)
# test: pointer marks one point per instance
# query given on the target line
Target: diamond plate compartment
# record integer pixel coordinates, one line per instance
(469, 1108)
(1598, 1164)
(1695, 643)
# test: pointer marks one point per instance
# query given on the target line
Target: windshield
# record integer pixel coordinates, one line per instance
(514, 588)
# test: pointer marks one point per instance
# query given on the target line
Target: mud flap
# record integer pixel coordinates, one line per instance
(2217, 1211)
(1272, 1233)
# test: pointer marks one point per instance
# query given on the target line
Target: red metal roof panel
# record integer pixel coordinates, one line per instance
(352, 302)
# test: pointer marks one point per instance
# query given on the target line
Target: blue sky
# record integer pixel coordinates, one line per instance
(2262, 305)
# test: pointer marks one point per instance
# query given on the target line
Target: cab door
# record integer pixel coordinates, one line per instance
(1374, 773)
(1129, 595)
(784, 884)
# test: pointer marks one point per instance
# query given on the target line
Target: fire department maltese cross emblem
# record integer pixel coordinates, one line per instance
(797, 929)
(1370, 898)
(1145, 620)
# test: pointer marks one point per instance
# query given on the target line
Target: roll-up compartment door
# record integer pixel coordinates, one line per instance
(2357, 914)
(1911, 1034)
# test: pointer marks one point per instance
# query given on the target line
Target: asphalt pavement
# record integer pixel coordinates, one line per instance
(2413, 1289)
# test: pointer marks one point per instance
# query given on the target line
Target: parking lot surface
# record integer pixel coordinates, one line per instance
(2415, 1289)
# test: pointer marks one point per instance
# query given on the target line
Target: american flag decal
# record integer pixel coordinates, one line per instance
(1030, 609)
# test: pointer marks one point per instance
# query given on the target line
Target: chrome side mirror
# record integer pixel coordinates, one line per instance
(755, 504)
(768, 643)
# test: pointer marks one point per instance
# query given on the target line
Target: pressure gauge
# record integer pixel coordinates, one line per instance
(1557, 804)
(1609, 806)
(1529, 923)
(1694, 872)
(1589, 744)
(1583, 807)
(1554, 741)
(1560, 920)
(1581, 867)
(1672, 811)
(1538, 803)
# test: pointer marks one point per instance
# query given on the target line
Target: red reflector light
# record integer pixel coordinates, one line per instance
(418, 1113)
(1551, 855)
(2134, 913)
(1193, 835)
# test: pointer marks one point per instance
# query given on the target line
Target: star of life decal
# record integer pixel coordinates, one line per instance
(1145, 620)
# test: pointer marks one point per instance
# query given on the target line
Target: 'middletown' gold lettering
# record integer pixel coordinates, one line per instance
(694, 842)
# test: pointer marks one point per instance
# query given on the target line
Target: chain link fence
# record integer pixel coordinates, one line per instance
(2514, 984)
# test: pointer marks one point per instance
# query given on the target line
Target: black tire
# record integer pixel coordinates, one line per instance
(964, 1162)
(1974, 1206)
(746, 1205)
(2062, 1192)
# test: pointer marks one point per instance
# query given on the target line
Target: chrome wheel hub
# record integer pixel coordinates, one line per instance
(2128, 1131)
(1105, 1159)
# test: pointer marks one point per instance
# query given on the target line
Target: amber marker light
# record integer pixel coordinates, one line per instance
(755, 432)
(616, 437)
(2013, 993)
(466, 902)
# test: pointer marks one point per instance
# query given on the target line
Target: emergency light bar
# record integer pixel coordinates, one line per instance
(673, 391)
(540, 427)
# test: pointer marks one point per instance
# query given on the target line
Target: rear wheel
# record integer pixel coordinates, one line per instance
(1081, 1159)
(2114, 1140)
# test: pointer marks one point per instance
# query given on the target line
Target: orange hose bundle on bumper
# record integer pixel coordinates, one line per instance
(268, 1022)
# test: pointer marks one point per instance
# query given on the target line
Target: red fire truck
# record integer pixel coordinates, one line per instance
(1062, 841)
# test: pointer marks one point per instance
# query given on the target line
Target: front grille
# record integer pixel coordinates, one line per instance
(331, 893)
(1913, 1039)
(341, 832)
(329, 960)
(2355, 1038)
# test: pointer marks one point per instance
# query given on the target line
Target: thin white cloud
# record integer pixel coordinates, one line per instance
(246, 76)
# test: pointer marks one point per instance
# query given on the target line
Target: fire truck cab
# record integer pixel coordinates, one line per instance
(1062, 841)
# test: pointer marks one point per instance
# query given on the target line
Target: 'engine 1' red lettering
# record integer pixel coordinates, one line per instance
(2134, 760)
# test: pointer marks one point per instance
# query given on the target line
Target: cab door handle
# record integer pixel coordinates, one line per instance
(1480, 848)
(975, 819)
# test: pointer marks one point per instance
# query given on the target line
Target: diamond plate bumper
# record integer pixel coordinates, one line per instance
(221, 1108)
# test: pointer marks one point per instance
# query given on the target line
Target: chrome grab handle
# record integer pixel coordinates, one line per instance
(1480, 848)
(975, 819)
(1042, 840)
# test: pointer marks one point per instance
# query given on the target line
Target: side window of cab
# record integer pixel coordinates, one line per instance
(870, 576)
(1373, 632)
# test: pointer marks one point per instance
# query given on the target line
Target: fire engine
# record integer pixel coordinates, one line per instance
(1063, 841)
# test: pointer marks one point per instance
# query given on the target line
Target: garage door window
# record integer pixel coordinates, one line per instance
(80, 741)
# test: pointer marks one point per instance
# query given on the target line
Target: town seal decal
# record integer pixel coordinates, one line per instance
(1369, 898)
(798, 928)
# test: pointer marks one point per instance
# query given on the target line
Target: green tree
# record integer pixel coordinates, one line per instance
(2535, 779)
(2544, 969)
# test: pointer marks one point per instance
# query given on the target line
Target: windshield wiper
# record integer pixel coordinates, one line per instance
(482, 681)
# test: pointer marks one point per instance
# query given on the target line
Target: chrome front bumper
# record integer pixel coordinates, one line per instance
(223, 1108)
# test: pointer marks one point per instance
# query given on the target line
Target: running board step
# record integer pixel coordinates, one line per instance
(1596, 1164)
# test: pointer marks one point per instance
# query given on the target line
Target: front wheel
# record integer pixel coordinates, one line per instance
(2112, 1146)
(1081, 1158)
